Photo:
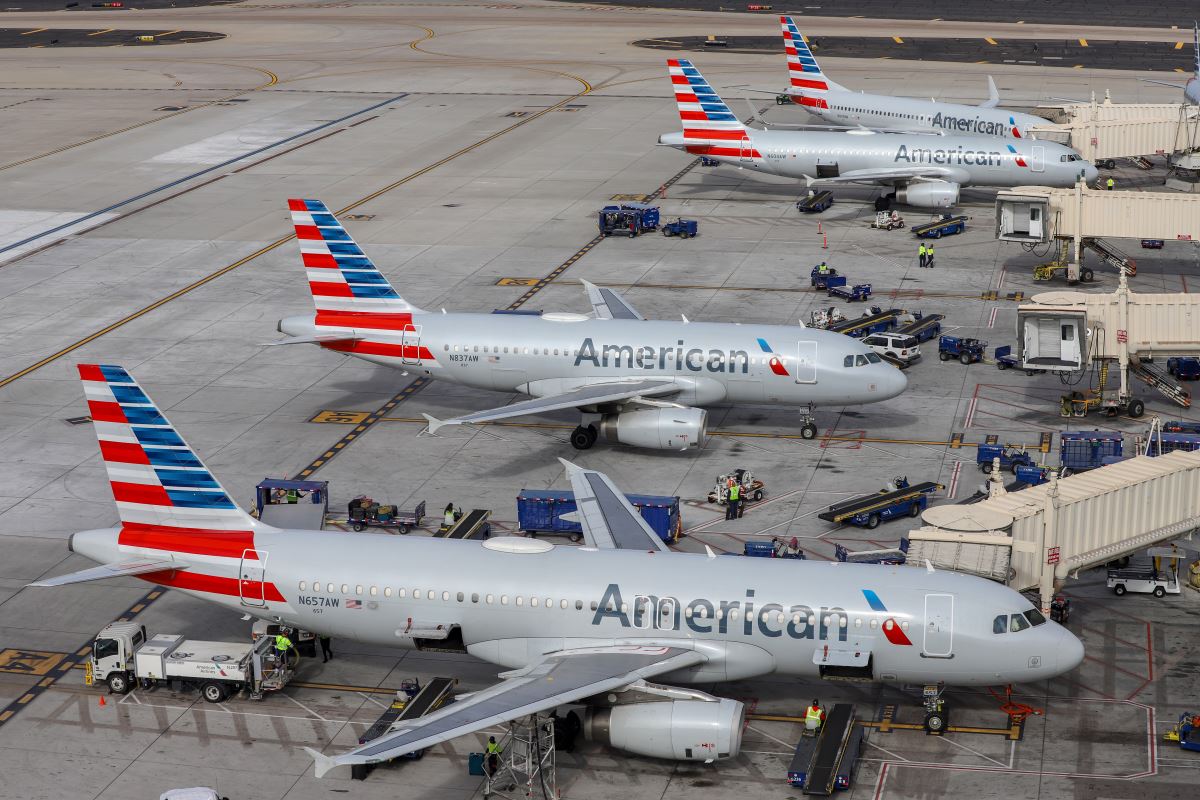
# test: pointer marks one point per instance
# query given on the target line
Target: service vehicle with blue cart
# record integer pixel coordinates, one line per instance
(823, 279)
(542, 511)
(683, 228)
(1006, 360)
(1010, 457)
(947, 225)
(1083, 450)
(875, 321)
(860, 292)
(1184, 368)
(825, 762)
(899, 499)
(966, 350)
(628, 219)
(760, 549)
(815, 202)
(366, 513)
(922, 327)
(887, 555)
(1185, 732)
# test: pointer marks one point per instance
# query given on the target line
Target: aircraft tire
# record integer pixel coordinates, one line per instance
(808, 431)
(582, 438)
(935, 722)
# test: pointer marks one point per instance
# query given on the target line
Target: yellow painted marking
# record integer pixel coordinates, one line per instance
(39, 30)
(317, 463)
(25, 699)
(4, 717)
(1179, 45)
(29, 662)
(1177, 69)
(46, 682)
(137, 609)
(97, 33)
(989, 40)
(39, 45)
(1077, 66)
(897, 40)
(154, 595)
(83, 651)
(341, 417)
(517, 281)
(1083, 43)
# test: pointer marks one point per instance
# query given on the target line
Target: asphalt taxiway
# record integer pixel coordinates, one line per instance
(151, 231)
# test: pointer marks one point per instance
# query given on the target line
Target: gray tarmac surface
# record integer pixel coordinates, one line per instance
(475, 145)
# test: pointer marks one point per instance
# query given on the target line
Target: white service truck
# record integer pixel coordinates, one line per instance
(1159, 576)
(123, 657)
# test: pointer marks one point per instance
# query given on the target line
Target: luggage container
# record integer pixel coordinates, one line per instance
(1080, 450)
(542, 511)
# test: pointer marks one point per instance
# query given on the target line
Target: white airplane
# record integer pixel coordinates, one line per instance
(590, 624)
(924, 169)
(635, 380)
(820, 96)
(1191, 89)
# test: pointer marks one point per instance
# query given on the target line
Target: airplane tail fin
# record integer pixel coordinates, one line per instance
(993, 95)
(341, 277)
(709, 126)
(158, 481)
(803, 70)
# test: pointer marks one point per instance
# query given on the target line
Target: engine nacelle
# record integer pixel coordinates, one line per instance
(939, 194)
(682, 730)
(671, 428)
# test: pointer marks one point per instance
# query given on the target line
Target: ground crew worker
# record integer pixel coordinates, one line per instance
(735, 501)
(929, 256)
(1110, 183)
(326, 649)
(823, 268)
(493, 755)
(282, 645)
(814, 717)
(922, 254)
(448, 516)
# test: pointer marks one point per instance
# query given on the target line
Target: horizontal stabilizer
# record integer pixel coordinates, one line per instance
(322, 762)
(139, 566)
(433, 423)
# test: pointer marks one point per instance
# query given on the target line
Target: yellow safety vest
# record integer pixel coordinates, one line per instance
(282, 642)
(921, 250)
(813, 715)
(493, 748)
(1110, 183)
(735, 492)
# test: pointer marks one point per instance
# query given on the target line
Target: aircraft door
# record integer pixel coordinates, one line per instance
(253, 576)
(1035, 222)
(806, 362)
(746, 150)
(668, 614)
(643, 611)
(1039, 158)
(939, 626)
(410, 344)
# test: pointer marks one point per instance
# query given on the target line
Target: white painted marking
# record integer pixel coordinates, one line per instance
(306, 708)
(992, 318)
(231, 144)
(954, 480)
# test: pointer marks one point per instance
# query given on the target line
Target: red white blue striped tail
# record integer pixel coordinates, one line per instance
(710, 128)
(340, 276)
(157, 480)
(803, 70)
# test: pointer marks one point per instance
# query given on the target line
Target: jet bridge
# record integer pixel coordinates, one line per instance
(1049, 532)
(1101, 132)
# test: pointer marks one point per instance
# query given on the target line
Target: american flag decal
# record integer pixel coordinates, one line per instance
(354, 604)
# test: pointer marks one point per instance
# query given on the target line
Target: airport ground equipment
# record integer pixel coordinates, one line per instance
(1010, 457)
(921, 326)
(760, 549)
(1153, 244)
(894, 347)
(946, 225)
(1180, 426)
(965, 349)
(823, 318)
(815, 202)
(875, 321)
(705, 161)
(1157, 575)
(887, 221)
(1006, 360)
(628, 219)
(1084, 450)
(1184, 368)
(547, 510)
(292, 505)
(1060, 609)
(1158, 444)
(366, 513)
(887, 555)
(937, 715)
(123, 657)
(1032, 474)
(825, 763)
(752, 487)
(851, 294)
(412, 701)
(899, 499)
(683, 228)
(475, 524)
(823, 280)
(304, 641)
(1185, 732)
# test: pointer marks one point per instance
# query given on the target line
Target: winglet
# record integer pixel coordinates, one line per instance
(433, 424)
(993, 95)
(809, 180)
(321, 762)
(570, 467)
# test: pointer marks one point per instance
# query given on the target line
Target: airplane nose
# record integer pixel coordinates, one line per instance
(892, 382)
(1090, 173)
(1070, 651)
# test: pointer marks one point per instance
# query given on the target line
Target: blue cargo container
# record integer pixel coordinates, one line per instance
(1079, 450)
(1170, 442)
(541, 511)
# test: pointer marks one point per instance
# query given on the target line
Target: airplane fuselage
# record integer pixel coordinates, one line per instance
(750, 617)
(554, 353)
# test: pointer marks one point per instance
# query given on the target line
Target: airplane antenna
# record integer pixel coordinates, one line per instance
(686, 321)
(443, 310)
(929, 567)
(710, 552)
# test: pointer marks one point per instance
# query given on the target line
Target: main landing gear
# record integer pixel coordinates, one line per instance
(584, 436)
(884, 202)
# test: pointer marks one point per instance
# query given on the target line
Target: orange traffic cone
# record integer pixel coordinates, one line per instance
(824, 242)
(819, 229)
(103, 702)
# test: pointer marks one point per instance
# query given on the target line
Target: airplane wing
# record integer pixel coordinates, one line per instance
(887, 175)
(138, 566)
(608, 304)
(609, 521)
(993, 95)
(558, 678)
(592, 394)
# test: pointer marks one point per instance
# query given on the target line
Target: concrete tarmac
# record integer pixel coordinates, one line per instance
(469, 148)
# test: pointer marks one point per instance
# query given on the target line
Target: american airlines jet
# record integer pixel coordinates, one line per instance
(1191, 89)
(820, 96)
(634, 380)
(924, 169)
(573, 625)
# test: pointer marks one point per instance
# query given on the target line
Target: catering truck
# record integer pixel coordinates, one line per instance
(123, 657)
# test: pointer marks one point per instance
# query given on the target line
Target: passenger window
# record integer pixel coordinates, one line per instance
(533, 601)
(445, 596)
(579, 605)
(474, 597)
(316, 586)
(563, 604)
(432, 594)
(488, 599)
(374, 591)
(345, 589)
(503, 599)
(416, 594)
(302, 585)
(402, 593)
(358, 590)
(332, 589)
(1035, 617)
(1017, 623)
(460, 597)
(848, 361)
(387, 591)
(1000, 624)
(520, 600)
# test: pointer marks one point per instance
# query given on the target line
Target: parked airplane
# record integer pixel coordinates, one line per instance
(635, 380)
(1191, 89)
(924, 169)
(575, 625)
(820, 96)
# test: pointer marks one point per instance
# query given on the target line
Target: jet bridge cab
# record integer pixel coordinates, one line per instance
(1052, 338)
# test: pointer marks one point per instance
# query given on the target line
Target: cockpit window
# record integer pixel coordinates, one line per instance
(1035, 617)
(1000, 624)
(873, 358)
(1068, 157)
(860, 360)
(848, 361)
(1017, 622)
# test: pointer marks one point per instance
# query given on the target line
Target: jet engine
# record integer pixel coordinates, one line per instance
(683, 730)
(666, 428)
(938, 194)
